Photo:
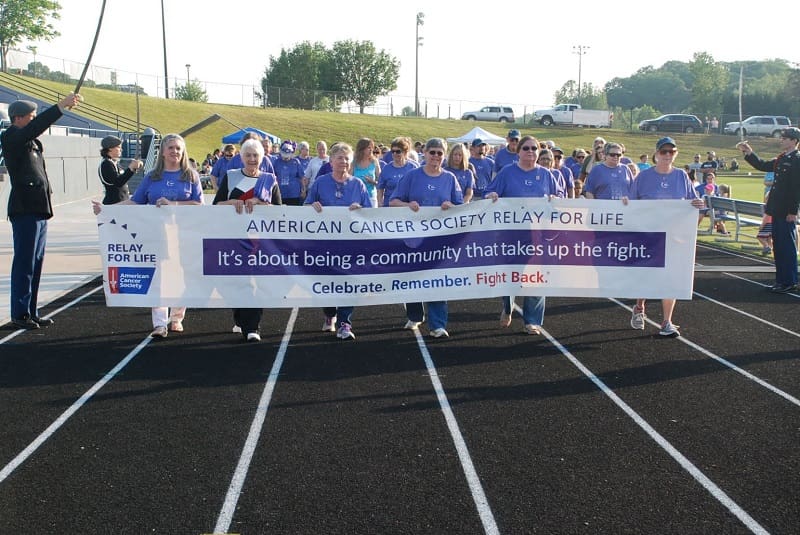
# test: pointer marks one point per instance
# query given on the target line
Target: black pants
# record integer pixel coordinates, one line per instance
(249, 319)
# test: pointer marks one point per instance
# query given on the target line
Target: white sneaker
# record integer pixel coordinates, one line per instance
(330, 325)
(670, 330)
(440, 332)
(411, 325)
(253, 337)
(345, 332)
(159, 332)
(637, 319)
(532, 329)
(236, 329)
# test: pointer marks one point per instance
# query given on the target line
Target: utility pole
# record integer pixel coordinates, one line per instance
(164, 39)
(580, 50)
(420, 22)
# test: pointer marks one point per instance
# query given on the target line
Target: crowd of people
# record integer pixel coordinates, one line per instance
(402, 174)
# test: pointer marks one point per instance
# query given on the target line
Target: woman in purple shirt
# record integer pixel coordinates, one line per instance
(663, 181)
(429, 185)
(171, 182)
(525, 178)
(339, 188)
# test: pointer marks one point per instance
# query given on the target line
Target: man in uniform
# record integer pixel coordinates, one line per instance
(29, 203)
(782, 205)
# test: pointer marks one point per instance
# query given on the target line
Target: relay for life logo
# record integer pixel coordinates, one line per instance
(130, 267)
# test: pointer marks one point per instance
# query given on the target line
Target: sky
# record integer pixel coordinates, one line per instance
(514, 53)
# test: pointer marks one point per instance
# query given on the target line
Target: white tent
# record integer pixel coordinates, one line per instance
(478, 133)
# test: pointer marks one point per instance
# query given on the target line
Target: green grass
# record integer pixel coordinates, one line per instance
(176, 115)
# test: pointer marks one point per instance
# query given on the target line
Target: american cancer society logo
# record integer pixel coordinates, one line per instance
(134, 277)
(130, 280)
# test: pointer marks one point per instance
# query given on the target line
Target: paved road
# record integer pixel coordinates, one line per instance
(590, 428)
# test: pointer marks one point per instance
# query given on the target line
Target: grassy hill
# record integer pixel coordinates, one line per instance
(177, 115)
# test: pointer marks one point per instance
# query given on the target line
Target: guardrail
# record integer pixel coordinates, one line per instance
(742, 213)
(96, 113)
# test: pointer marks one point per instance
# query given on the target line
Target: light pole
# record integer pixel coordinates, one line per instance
(33, 50)
(420, 22)
(164, 39)
(188, 66)
(580, 50)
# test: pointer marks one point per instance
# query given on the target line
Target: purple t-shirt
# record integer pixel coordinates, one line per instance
(331, 193)
(503, 157)
(290, 177)
(427, 190)
(483, 173)
(513, 181)
(170, 186)
(465, 177)
(390, 177)
(650, 184)
(606, 182)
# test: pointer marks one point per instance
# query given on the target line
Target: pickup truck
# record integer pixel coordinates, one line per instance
(573, 114)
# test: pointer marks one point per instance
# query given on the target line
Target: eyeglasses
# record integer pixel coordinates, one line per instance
(665, 152)
(436, 153)
(614, 155)
(527, 148)
(397, 151)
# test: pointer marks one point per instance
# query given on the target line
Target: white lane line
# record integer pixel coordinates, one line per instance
(785, 395)
(685, 463)
(475, 487)
(763, 285)
(735, 255)
(240, 474)
(53, 313)
(61, 420)
(747, 314)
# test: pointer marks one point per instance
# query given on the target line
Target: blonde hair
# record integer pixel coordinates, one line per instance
(460, 148)
(187, 173)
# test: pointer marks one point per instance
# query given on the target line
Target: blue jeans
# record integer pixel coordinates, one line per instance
(343, 314)
(784, 247)
(437, 313)
(30, 238)
(532, 309)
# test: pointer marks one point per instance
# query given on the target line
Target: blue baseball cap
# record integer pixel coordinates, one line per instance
(477, 142)
(514, 133)
(665, 141)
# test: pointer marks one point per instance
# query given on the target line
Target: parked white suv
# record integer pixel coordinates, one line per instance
(759, 125)
(504, 114)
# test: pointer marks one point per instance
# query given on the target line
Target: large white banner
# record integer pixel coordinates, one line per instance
(288, 256)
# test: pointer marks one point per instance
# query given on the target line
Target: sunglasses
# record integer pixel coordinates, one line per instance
(397, 151)
(614, 155)
(580, 157)
(664, 152)
(436, 153)
(527, 148)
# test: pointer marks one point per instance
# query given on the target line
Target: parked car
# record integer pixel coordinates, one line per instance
(673, 122)
(759, 125)
(504, 114)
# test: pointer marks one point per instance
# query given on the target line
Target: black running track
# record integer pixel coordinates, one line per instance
(590, 428)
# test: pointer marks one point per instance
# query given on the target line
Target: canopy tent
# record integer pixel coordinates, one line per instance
(478, 133)
(237, 136)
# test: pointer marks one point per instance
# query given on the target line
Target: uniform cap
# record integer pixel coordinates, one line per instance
(20, 108)
(109, 142)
